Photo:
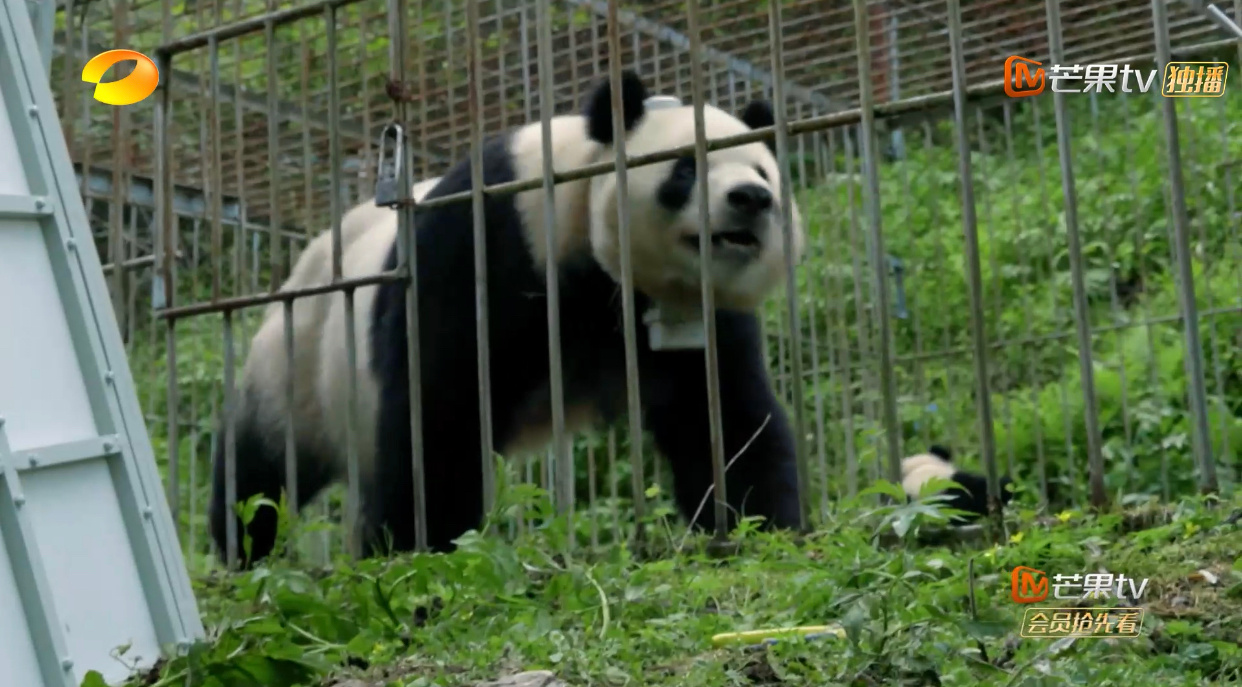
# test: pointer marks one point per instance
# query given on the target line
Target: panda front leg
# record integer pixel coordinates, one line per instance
(761, 476)
(452, 467)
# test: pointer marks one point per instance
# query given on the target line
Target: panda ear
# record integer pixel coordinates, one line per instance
(757, 115)
(941, 452)
(598, 108)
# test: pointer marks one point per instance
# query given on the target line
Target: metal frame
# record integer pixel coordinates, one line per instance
(122, 447)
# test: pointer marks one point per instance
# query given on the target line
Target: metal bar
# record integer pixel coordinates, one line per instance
(165, 266)
(216, 185)
(562, 457)
(43, 457)
(978, 335)
(239, 302)
(475, 61)
(1082, 315)
(779, 106)
(835, 292)
(712, 358)
(1196, 391)
(629, 320)
(273, 163)
(876, 251)
(407, 259)
(230, 446)
(733, 64)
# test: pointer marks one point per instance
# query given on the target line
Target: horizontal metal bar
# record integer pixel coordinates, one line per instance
(922, 106)
(239, 302)
(1036, 339)
(64, 454)
(734, 64)
(250, 25)
(23, 207)
(188, 201)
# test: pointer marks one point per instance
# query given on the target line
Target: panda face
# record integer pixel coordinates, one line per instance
(744, 214)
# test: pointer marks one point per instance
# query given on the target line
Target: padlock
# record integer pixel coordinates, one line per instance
(387, 190)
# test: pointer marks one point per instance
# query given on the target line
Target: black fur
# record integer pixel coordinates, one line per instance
(598, 110)
(672, 385)
(757, 115)
(973, 497)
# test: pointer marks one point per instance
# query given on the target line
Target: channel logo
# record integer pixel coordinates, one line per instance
(132, 89)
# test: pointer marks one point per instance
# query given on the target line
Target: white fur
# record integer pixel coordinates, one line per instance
(664, 267)
(266, 372)
(921, 468)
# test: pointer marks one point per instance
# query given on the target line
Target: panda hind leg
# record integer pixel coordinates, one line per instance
(260, 469)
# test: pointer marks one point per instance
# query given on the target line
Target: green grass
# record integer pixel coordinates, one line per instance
(499, 608)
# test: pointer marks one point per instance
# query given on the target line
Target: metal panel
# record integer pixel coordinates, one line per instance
(88, 489)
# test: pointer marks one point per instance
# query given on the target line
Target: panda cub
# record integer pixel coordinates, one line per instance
(917, 470)
(748, 263)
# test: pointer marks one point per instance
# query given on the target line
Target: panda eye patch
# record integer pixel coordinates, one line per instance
(762, 173)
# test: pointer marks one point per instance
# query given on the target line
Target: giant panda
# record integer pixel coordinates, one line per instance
(748, 262)
(918, 469)
(261, 411)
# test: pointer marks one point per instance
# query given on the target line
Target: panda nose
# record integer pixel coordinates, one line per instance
(750, 199)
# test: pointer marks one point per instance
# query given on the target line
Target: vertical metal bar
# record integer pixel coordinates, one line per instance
(1196, 391)
(983, 394)
(407, 255)
(629, 321)
(1118, 314)
(612, 484)
(197, 349)
(354, 500)
(273, 158)
(213, 124)
(1033, 379)
(997, 312)
(230, 445)
(894, 75)
(871, 198)
(715, 421)
(562, 457)
(480, 245)
(120, 180)
(165, 251)
(776, 37)
(836, 293)
(1082, 316)
(821, 448)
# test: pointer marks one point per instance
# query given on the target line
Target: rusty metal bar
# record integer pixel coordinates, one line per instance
(1196, 389)
(779, 107)
(475, 62)
(714, 414)
(407, 259)
(1082, 315)
(629, 319)
(165, 267)
(875, 244)
(974, 274)
(562, 456)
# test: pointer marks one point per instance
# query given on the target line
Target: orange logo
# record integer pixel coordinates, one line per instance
(1018, 72)
(1028, 585)
(129, 90)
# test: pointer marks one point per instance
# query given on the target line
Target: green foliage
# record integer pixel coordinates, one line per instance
(616, 618)
(1035, 376)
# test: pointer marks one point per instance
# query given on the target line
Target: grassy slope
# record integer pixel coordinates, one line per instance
(617, 621)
